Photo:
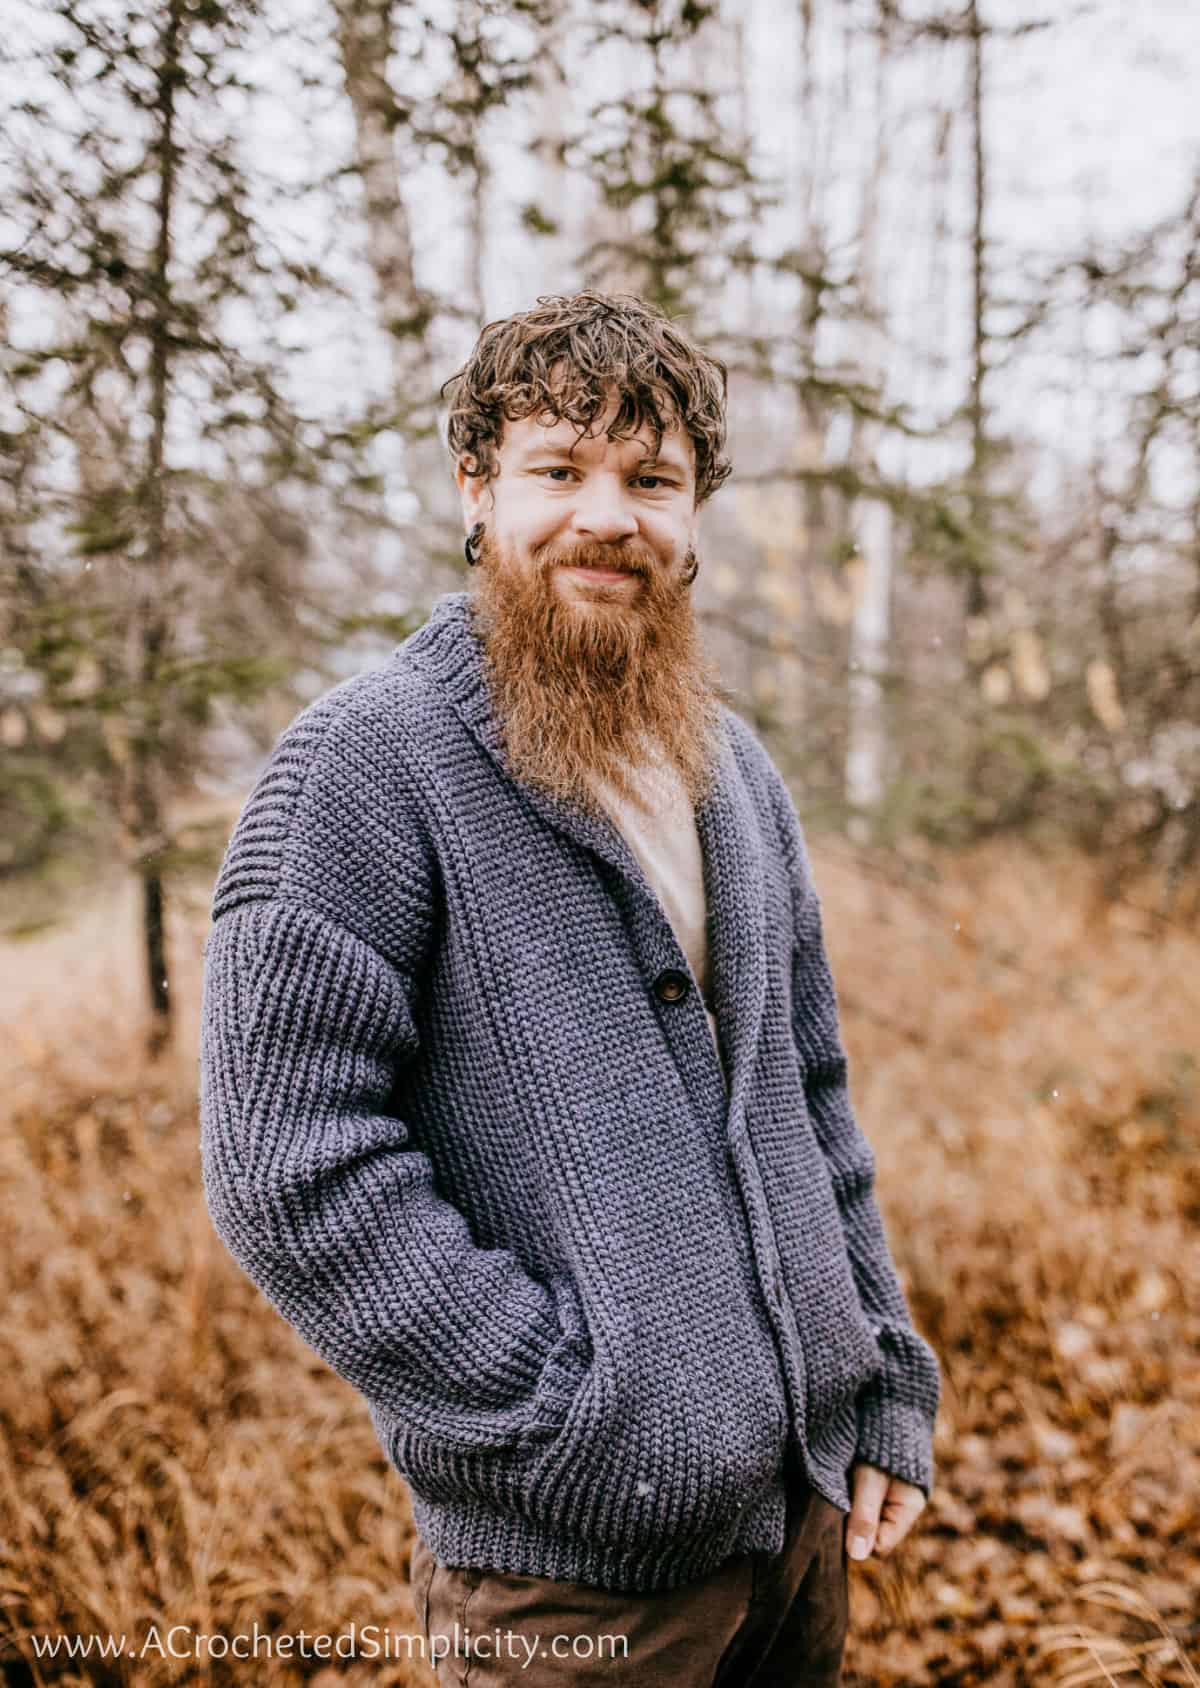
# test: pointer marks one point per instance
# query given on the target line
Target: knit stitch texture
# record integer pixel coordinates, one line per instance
(490, 1173)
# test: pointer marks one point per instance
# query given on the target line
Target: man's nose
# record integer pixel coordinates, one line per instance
(602, 513)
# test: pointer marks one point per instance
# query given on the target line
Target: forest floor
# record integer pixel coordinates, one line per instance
(1025, 1061)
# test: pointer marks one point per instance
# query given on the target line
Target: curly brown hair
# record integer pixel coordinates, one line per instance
(564, 359)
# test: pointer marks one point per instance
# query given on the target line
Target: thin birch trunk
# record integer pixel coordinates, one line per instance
(554, 121)
(871, 518)
(364, 32)
(977, 597)
(806, 519)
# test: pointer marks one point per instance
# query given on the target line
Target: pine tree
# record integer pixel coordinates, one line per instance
(171, 486)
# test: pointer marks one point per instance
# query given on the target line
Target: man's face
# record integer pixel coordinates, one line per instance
(584, 604)
(568, 505)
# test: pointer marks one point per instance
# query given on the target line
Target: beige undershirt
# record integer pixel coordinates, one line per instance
(667, 845)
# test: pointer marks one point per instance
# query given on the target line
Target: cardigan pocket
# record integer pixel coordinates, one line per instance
(560, 1381)
(492, 1463)
(561, 1376)
(654, 1454)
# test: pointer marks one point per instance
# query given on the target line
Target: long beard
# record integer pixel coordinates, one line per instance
(584, 690)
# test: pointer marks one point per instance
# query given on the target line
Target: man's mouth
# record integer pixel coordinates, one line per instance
(599, 572)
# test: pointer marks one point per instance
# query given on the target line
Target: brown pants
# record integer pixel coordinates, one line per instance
(758, 1621)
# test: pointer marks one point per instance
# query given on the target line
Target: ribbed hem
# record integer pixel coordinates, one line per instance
(764, 1527)
(470, 1532)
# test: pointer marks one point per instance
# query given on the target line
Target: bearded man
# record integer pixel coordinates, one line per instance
(523, 1095)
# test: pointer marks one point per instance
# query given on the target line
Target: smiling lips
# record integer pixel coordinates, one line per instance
(601, 573)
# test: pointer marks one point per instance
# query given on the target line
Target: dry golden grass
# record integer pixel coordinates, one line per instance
(1025, 1063)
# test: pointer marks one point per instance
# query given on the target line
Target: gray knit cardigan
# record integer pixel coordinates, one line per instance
(463, 1123)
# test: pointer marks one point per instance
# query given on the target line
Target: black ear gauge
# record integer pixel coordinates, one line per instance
(471, 544)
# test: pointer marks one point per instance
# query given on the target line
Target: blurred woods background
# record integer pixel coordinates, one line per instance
(950, 255)
(956, 580)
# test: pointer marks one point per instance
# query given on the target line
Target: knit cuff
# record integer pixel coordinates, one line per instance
(895, 1436)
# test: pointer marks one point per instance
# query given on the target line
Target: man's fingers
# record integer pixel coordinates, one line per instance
(870, 1486)
(883, 1510)
(902, 1505)
(893, 1527)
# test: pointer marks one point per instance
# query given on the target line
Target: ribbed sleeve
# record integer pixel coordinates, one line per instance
(896, 1410)
(326, 1203)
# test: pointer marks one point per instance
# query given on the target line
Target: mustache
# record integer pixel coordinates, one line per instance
(627, 558)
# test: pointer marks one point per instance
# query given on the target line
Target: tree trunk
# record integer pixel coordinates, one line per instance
(806, 498)
(870, 518)
(554, 122)
(977, 596)
(364, 29)
(150, 629)
(364, 35)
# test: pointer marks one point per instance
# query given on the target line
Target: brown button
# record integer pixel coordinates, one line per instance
(671, 985)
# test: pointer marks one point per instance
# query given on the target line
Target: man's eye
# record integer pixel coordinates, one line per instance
(657, 479)
(559, 471)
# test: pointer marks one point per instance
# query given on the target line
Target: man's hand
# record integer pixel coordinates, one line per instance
(883, 1511)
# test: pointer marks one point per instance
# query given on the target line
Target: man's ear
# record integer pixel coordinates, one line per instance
(476, 495)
